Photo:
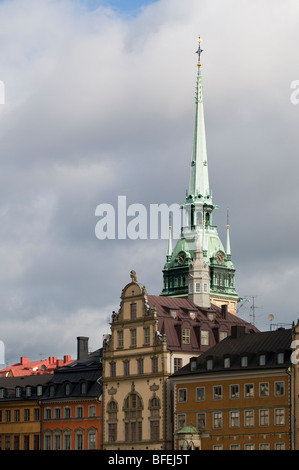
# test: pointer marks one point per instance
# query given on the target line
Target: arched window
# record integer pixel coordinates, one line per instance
(132, 408)
(154, 407)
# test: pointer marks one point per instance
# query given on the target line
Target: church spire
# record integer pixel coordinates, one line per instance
(199, 179)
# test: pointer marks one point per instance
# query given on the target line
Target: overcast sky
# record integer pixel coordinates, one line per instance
(99, 102)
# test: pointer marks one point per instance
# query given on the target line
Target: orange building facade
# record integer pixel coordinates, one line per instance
(237, 400)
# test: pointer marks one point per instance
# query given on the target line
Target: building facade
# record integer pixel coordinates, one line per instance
(151, 337)
(20, 412)
(237, 394)
(71, 405)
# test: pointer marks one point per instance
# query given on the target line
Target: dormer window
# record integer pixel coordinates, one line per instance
(186, 336)
(18, 392)
(280, 358)
(244, 361)
(174, 314)
(262, 359)
(209, 364)
(192, 315)
(227, 362)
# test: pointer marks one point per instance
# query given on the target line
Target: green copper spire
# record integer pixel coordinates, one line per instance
(199, 178)
(182, 262)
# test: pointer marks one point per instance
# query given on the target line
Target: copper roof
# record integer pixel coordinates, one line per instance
(190, 316)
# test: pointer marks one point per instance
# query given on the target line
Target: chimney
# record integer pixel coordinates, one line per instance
(82, 348)
(66, 359)
(237, 331)
(24, 360)
(224, 311)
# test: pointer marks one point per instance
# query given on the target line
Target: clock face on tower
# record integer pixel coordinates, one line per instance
(220, 256)
(182, 257)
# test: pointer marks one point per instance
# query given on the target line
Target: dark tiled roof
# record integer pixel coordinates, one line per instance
(172, 328)
(240, 344)
(88, 370)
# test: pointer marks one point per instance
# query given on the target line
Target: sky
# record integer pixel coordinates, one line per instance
(99, 103)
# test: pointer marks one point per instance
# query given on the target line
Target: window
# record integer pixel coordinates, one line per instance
(48, 413)
(126, 368)
(249, 390)
(182, 395)
(36, 414)
(133, 337)
(278, 389)
(140, 366)
(234, 391)
(16, 443)
(79, 441)
(146, 334)
(133, 417)
(217, 392)
(234, 447)
(2, 392)
(18, 392)
(57, 441)
(280, 358)
(17, 415)
(204, 337)
(264, 389)
(91, 411)
(174, 314)
(79, 412)
(39, 390)
(27, 414)
(280, 446)
(83, 388)
(112, 369)
(67, 441)
(120, 339)
(7, 416)
(52, 390)
(248, 418)
(28, 391)
(234, 419)
(244, 361)
(200, 393)
(265, 446)
(181, 421)
(186, 336)
(57, 412)
(201, 420)
(262, 359)
(249, 446)
(92, 440)
(112, 432)
(26, 442)
(209, 364)
(47, 442)
(67, 412)
(133, 311)
(154, 364)
(154, 407)
(217, 419)
(112, 410)
(67, 389)
(264, 417)
(178, 362)
(226, 362)
(222, 335)
(155, 430)
(279, 416)
(197, 287)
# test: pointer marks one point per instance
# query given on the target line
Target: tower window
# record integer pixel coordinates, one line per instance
(197, 287)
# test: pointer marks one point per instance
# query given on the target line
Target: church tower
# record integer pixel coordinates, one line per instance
(198, 225)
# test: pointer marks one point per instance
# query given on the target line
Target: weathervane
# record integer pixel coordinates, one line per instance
(199, 50)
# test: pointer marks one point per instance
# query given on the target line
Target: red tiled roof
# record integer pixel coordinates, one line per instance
(26, 367)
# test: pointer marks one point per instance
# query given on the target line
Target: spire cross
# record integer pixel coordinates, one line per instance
(199, 50)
